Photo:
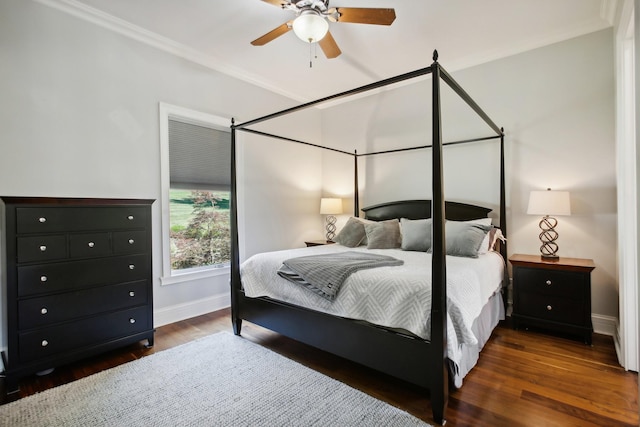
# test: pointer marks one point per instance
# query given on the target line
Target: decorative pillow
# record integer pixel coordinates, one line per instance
(416, 234)
(351, 234)
(481, 221)
(464, 238)
(365, 221)
(383, 235)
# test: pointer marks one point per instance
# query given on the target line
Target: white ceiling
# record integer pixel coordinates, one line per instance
(218, 33)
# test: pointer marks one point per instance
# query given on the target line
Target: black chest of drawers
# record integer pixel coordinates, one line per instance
(76, 279)
(554, 295)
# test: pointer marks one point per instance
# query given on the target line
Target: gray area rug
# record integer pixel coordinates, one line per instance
(219, 380)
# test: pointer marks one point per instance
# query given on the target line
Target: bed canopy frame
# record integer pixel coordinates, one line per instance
(418, 361)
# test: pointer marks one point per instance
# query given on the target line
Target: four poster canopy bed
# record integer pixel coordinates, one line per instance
(450, 296)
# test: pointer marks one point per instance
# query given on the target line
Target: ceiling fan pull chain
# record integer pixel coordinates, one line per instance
(310, 55)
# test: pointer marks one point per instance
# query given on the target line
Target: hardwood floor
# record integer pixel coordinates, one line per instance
(523, 378)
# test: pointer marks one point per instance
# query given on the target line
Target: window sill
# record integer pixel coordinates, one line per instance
(194, 275)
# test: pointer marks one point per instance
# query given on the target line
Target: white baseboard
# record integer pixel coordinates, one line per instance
(178, 312)
(605, 325)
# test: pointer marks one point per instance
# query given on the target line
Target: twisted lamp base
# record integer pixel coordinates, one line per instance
(548, 237)
(331, 228)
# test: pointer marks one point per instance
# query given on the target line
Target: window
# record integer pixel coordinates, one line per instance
(196, 150)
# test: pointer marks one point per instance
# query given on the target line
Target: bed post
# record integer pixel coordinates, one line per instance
(503, 198)
(235, 253)
(439, 388)
(356, 197)
(503, 223)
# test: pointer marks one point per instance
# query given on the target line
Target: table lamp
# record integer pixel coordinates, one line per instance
(330, 207)
(549, 203)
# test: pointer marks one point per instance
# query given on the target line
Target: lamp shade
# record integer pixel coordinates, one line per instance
(549, 203)
(310, 27)
(330, 206)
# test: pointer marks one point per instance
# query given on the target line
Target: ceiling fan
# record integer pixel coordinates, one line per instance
(311, 25)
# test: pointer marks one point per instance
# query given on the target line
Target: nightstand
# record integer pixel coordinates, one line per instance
(554, 295)
(318, 243)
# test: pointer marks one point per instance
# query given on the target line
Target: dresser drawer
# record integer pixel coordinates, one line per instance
(549, 282)
(66, 337)
(89, 245)
(129, 242)
(42, 248)
(43, 311)
(56, 277)
(551, 308)
(55, 219)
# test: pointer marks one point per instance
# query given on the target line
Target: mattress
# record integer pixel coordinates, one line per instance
(393, 297)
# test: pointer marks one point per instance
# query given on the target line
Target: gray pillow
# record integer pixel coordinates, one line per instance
(351, 234)
(464, 238)
(416, 234)
(383, 235)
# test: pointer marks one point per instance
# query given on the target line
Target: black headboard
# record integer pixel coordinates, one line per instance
(418, 209)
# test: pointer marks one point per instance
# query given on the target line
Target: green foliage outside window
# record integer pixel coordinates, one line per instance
(200, 233)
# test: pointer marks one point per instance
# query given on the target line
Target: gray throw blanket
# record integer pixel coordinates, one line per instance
(324, 274)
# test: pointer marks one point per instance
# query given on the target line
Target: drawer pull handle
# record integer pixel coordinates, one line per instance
(130, 217)
(548, 282)
(44, 343)
(132, 320)
(132, 294)
(43, 248)
(42, 219)
(131, 241)
(132, 267)
(549, 308)
(44, 310)
(43, 278)
(91, 244)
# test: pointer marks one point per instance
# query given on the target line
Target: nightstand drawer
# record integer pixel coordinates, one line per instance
(549, 282)
(555, 309)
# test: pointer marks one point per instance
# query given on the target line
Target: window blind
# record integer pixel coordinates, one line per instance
(199, 157)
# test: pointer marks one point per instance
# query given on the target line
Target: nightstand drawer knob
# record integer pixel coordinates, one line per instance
(43, 278)
(548, 282)
(43, 248)
(549, 308)
(132, 320)
(132, 294)
(44, 310)
(42, 219)
(130, 217)
(44, 343)
(91, 244)
(132, 267)
(131, 241)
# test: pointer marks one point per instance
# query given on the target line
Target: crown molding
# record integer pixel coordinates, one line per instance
(127, 29)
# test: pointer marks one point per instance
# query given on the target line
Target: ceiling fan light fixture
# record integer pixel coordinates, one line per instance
(310, 27)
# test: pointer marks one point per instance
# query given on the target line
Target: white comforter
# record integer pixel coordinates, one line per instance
(394, 297)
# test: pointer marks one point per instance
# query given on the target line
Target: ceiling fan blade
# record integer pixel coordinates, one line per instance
(365, 15)
(329, 46)
(275, 33)
(279, 3)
